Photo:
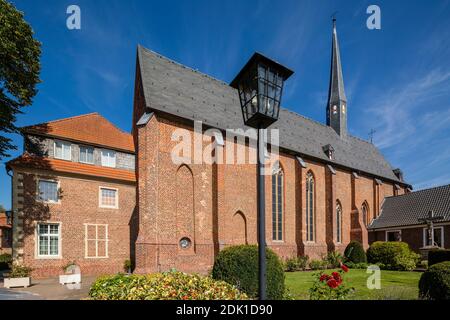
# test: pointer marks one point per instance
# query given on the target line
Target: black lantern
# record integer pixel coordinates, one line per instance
(260, 85)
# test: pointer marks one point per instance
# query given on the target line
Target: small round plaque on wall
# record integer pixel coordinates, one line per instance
(185, 243)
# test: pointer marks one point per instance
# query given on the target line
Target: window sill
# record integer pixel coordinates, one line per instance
(106, 207)
(48, 257)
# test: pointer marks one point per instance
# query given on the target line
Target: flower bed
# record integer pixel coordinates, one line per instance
(163, 286)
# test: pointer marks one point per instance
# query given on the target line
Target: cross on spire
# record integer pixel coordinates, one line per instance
(371, 132)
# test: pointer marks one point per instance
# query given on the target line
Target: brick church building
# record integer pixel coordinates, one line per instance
(85, 191)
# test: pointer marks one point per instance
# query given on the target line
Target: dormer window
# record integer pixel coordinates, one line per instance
(329, 151)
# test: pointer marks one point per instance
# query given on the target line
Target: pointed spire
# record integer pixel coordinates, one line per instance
(337, 101)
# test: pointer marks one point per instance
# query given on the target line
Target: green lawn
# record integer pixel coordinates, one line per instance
(394, 284)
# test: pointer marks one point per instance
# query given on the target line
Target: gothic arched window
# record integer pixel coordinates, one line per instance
(338, 222)
(365, 213)
(310, 210)
(277, 203)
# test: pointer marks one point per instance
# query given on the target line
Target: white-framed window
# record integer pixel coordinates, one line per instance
(63, 150)
(86, 154)
(108, 198)
(96, 240)
(437, 236)
(48, 240)
(48, 191)
(394, 235)
(108, 158)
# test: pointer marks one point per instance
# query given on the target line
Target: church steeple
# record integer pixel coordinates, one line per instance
(337, 102)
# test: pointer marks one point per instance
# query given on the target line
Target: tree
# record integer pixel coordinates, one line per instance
(19, 70)
(2, 209)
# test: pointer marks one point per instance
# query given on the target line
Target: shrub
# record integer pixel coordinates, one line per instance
(354, 252)
(334, 259)
(291, 264)
(238, 265)
(5, 261)
(303, 262)
(318, 264)
(434, 283)
(437, 256)
(163, 286)
(393, 255)
(127, 266)
(18, 271)
(296, 263)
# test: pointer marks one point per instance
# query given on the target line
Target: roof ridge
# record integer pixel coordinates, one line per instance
(64, 119)
(418, 191)
(80, 116)
(159, 55)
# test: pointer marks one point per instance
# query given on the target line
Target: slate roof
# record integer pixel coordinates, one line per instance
(89, 128)
(406, 209)
(178, 90)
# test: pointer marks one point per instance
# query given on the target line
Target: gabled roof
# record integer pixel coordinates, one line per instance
(406, 209)
(178, 90)
(89, 128)
(55, 165)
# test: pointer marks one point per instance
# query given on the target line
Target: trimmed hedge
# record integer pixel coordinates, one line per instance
(434, 283)
(437, 256)
(394, 255)
(238, 265)
(172, 285)
(354, 252)
(5, 261)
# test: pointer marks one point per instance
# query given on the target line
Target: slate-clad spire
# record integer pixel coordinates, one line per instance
(337, 102)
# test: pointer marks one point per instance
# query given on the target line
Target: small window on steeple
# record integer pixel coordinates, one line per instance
(343, 108)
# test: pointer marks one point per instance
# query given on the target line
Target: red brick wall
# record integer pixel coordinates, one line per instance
(79, 205)
(215, 205)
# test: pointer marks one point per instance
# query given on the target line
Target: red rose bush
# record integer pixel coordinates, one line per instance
(330, 286)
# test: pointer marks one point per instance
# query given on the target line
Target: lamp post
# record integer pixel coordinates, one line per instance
(260, 86)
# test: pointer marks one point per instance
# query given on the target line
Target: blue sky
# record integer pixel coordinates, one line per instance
(397, 78)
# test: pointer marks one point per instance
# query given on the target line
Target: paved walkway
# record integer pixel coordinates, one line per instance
(48, 289)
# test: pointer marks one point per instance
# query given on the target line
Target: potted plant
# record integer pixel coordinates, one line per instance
(18, 277)
(72, 274)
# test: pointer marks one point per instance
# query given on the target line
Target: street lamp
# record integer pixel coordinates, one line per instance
(260, 86)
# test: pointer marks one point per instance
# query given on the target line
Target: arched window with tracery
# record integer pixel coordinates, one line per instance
(310, 207)
(338, 222)
(277, 202)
